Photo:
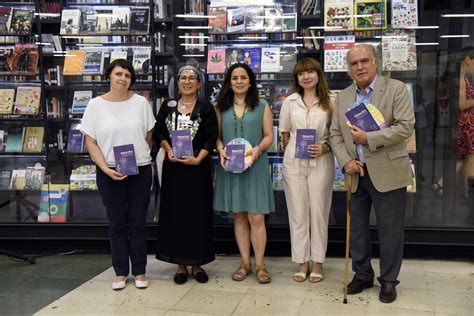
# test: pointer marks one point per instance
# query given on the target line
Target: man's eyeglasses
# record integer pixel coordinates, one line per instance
(190, 79)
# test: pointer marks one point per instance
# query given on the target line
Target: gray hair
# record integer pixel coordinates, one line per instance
(371, 48)
(196, 71)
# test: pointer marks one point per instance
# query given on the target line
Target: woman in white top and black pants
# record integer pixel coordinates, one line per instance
(121, 117)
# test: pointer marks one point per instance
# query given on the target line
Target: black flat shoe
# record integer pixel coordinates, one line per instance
(201, 276)
(180, 277)
(388, 293)
(357, 285)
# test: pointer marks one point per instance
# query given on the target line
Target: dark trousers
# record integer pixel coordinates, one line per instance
(126, 203)
(390, 214)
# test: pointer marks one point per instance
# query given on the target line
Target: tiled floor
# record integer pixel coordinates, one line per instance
(427, 288)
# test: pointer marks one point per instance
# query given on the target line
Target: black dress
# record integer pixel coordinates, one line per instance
(186, 210)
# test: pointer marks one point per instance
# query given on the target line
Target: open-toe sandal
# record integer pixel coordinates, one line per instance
(316, 274)
(262, 275)
(300, 275)
(242, 271)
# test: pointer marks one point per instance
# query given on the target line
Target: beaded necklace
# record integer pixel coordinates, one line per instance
(241, 121)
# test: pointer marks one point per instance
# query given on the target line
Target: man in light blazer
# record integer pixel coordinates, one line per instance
(383, 156)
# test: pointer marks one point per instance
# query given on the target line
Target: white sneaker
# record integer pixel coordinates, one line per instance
(141, 284)
(118, 285)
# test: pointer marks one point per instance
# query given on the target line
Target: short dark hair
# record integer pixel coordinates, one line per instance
(467, 51)
(122, 63)
(225, 99)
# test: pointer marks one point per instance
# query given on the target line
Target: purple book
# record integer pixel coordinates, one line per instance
(75, 141)
(182, 143)
(236, 161)
(360, 116)
(125, 160)
(304, 137)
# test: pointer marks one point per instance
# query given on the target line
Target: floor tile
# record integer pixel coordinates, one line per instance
(256, 304)
(413, 299)
(454, 283)
(449, 267)
(318, 307)
(209, 301)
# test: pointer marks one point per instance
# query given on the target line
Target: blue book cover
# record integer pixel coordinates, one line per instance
(251, 57)
(75, 141)
(182, 143)
(360, 116)
(236, 161)
(125, 160)
(15, 139)
(304, 137)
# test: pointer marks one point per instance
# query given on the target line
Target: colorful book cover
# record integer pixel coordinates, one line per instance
(335, 52)
(251, 57)
(15, 139)
(5, 176)
(182, 143)
(5, 19)
(83, 178)
(142, 61)
(93, 62)
(27, 100)
(370, 14)
(139, 20)
(236, 20)
(120, 19)
(219, 20)
(33, 139)
(304, 138)
(232, 56)
(34, 177)
(236, 154)
(289, 22)
(74, 62)
(6, 52)
(21, 23)
(281, 92)
(125, 160)
(273, 20)
(254, 19)
(6, 100)
(70, 20)
(360, 116)
(398, 51)
(270, 61)
(24, 58)
(53, 203)
(339, 182)
(75, 141)
(80, 101)
(216, 61)
(338, 15)
(18, 179)
(277, 176)
(404, 13)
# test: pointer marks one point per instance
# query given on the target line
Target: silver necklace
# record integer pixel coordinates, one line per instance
(184, 105)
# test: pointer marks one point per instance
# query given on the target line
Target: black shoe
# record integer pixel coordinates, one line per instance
(388, 293)
(181, 277)
(201, 276)
(357, 285)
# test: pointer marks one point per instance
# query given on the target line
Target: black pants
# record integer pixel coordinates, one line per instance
(390, 214)
(126, 203)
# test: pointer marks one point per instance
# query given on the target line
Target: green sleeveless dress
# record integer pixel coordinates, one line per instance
(250, 191)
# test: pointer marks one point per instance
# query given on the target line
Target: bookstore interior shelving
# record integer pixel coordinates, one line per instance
(52, 54)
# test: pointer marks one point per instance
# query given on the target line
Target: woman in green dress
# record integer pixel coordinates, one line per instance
(248, 195)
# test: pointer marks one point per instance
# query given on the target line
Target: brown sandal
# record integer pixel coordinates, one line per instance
(262, 275)
(242, 271)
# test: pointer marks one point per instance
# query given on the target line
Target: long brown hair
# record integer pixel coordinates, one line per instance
(322, 90)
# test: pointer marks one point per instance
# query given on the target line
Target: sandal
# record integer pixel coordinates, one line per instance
(262, 275)
(316, 274)
(302, 273)
(437, 189)
(242, 271)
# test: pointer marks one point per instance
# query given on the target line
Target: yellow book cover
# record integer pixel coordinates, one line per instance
(33, 140)
(27, 100)
(74, 62)
(6, 100)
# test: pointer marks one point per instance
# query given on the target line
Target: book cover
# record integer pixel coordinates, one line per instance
(117, 54)
(338, 15)
(289, 22)
(125, 160)
(254, 19)
(339, 182)
(360, 116)
(399, 51)
(370, 14)
(288, 59)
(236, 154)
(27, 100)
(104, 20)
(141, 61)
(93, 62)
(24, 58)
(6, 52)
(53, 203)
(80, 101)
(304, 138)
(5, 19)
(216, 61)
(270, 61)
(236, 20)
(88, 20)
(5, 179)
(214, 87)
(182, 143)
(219, 20)
(74, 62)
(6, 100)
(139, 20)
(75, 141)
(232, 56)
(310, 7)
(18, 179)
(33, 139)
(273, 20)
(70, 20)
(34, 177)
(120, 19)
(21, 23)
(2, 139)
(404, 13)
(335, 52)
(277, 176)
(251, 57)
(281, 92)
(83, 178)
(14, 139)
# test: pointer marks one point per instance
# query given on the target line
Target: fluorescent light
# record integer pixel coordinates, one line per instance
(361, 16)
(197, 44)
(325, 27)
(422, 27)
(457, 15)
(195, 27)
(195, 16)
(47, 14)
(454, 36)
(426, 44)
(193, 55)
(197, 36)
(44, 44)
(253, 37)
(310, 37)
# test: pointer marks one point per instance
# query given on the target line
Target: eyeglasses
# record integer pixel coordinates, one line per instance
(190, 79)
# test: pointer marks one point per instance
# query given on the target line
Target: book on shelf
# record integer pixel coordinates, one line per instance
(253, 19)
(335, 52)
(93, 62)
(5, 19)
(80, 101)
(117, 54)
(216, 60)
(5, 54)
(399, 51)
(24, 58)
(370, 14)
(125, 159)
(34, 177)
(289, 22)
(53, 107)
(288, 58)
(139, 20)
(5, 176)
(270, 61)
(273, 148)
(236, 157)
(70, 21)
(304, 138)
(88, 20)
(27, 101)
(277, 176)
(2, 139)
(6, 100)
(182, 143)
(251, 57)
(74, 62)
(75, 141)
(120, 19)
(235, 20)
(404, 13)
(338, 15)
(18, 179)
(218, 20)
(339, 182)
(53, 203)
(273, 19)
(21, 22)
(310, 7)
(141, 61)
(33, 139)
(281, 92)
(232, 56)
(104, 20)
(14, 141)
(83, 178)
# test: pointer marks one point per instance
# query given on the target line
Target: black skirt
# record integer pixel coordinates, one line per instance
(186, 214)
